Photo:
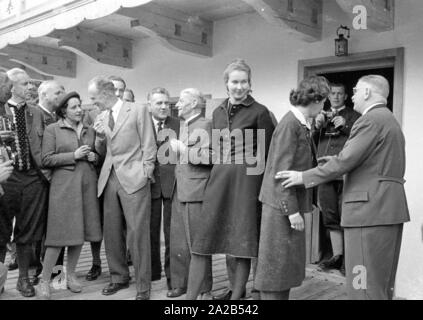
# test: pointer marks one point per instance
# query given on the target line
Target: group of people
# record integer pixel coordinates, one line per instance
(117, 171)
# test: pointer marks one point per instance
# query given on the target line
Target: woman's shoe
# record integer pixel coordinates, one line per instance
(43, 290)
(73, 285)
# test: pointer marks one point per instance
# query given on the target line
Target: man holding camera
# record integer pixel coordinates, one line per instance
(332, 131)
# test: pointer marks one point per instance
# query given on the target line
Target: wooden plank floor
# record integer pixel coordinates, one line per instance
(317, 285)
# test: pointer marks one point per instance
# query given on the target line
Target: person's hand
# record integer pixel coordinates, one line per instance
(99, 126)
(92, 157)
(177, 146)
(297, 221)
(6, 169)
(291, 178)
(319, 121)
(338, 122)
(82, 151)
(7, 136)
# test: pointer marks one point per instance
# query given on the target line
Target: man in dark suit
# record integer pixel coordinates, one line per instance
(191, 180)
(374, 206)
(26, 190)
(164, 176)
(333, 127)
(125, 136)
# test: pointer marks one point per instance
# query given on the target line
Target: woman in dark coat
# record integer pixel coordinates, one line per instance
(281, 258)
(231, 209)
(74, 213)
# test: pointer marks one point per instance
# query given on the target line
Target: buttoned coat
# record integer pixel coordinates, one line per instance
(373, 160)
(131, 156)
(193, 173)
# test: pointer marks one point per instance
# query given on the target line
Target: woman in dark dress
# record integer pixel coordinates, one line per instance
(281, 258)
(231, 209)
(74, 213)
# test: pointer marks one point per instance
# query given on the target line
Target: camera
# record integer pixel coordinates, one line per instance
(330, 127)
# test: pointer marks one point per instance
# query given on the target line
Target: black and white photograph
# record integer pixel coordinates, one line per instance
(233, 151)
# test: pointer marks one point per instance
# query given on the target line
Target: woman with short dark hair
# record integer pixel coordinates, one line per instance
(74, 212)
(281, 257)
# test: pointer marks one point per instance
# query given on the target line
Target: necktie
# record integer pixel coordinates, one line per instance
(160, 126)
(111, 120)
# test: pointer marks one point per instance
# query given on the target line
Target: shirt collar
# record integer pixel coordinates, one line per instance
(246, 103)
(297, 113)
(117, 106)
(371, 107)
(45, 109)
(13, 103)
(187, 121)
(339, 109)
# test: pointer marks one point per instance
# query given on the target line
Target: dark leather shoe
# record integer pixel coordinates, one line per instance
(25, 287)
(333, 263)
(34, 280)
(174, 293)
(13, 265)
(226, 295)
(143, 295)
(94, 273)
(112, 288)
(342, 269)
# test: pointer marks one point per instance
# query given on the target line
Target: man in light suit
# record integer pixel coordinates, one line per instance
(192, 176)
(374, 206)
(125, 135)
(164, 177)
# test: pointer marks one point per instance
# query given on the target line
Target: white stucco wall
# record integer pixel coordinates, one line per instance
(273, 55)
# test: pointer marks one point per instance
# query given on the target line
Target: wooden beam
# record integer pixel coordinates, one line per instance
(303, 17)
(6, 64)
(44, 60)
(102, 47)
(380, 13)
(174, 29)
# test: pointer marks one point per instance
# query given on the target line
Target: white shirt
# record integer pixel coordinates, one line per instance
(116, 109)
(370, 107)
(156, 123)
(298, 114)
(339, 109)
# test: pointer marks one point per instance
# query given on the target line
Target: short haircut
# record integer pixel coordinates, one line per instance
(195, 94)
(45, 84)
(159, 90)
(237, 65)
(116, 78)
(131, 92)
(338, 85)
(311, 89)
(103, 84)
(13, 74)
(378, 83)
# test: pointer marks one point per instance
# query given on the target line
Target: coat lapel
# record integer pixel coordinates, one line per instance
(29, 118)
(123, 115)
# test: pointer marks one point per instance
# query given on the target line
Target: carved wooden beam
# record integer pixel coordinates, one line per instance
(303, 17)
(44, 60)
(6, 64)
(174, 29)
(102, 47)
(380, 13)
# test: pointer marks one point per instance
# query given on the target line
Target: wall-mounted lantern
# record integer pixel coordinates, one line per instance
(341, 43)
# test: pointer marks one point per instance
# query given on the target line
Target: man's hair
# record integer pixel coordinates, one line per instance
(13, 74)
(45, 85)
(116, 78)
(197, 95)
(103, 84)
(131, 92)
(159, 90)
(378, 83)
(338, 85)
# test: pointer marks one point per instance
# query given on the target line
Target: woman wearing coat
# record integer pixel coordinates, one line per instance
(231, 210)
(73, 214)
(281, 257)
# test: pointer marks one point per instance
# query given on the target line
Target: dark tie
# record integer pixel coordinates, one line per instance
(160, 126)
(111, 120)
